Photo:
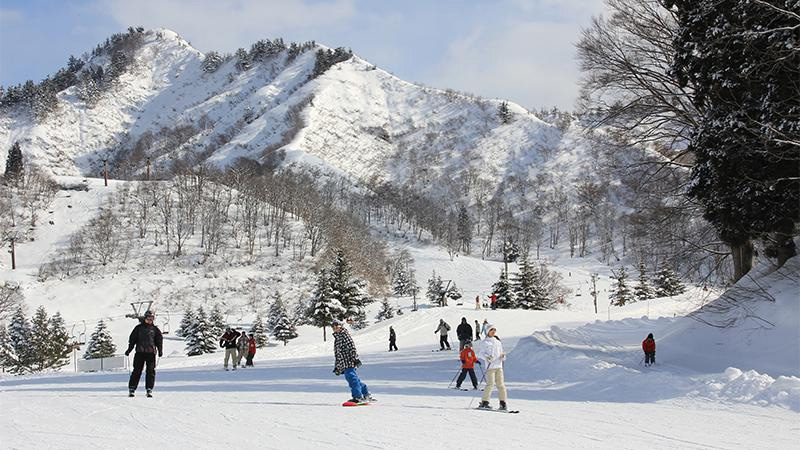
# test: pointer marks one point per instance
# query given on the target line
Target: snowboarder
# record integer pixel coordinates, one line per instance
(344, 350)
(493, 299)
(477, 331)
(442, 329)
(464, 333)
(485, 328)
(468, 360)
(492, 353)
(649, 348)
(251, 349)
(228, 342)
(147, 339)
(392, 340)
(477, 302)
(241, 348)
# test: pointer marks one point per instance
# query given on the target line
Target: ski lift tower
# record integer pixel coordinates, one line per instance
(443, 300)
(139, 309)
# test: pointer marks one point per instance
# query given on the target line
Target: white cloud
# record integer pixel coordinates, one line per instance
(226, 25)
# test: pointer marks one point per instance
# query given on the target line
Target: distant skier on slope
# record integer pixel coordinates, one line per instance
(464, 333)
(344, 350)
(492, 352)
(251, 349)
(649, 348)
(477, 331)
(485, 328)
(147, 339)
(443, 329)
(228, 342)
(477, 302)
(468, 360)
(493, 300)
(392, 340)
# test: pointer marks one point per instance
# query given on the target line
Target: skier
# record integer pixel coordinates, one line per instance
(392, 340)
(344, 350)
(251, 349)
(477, 330)
(464, 333)
(485, 328)
(492, 353)
(228, 342)
(442, 329)
(493, 299)
(468, 360)
(241, 348)
(477, 302)
(147, 339)
(649, 348)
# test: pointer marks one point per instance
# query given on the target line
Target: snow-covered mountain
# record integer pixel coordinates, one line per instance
(353, 119)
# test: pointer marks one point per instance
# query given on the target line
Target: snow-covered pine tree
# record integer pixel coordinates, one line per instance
(274, 313)
(243, 62)
(528, 288)
(101, 344)
(505, 295)
(350, 290)
(300, 314)
(386, 312)
(259, 331)
(14, 164)
(464, 229)
(200, 337)
(510, 252)
(435, 289)
(211, 62)
(7, 355)
(216, 321)
(668, 284)
(285, 329)
(643, 290)
(40, 338)
(187, 321)
(504, 113)
(620, 293)
(453, 293)
(19, 335)
(60, 346)
(401, 283)
(324, 306)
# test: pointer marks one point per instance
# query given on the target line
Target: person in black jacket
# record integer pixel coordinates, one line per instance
(147, 339)
(229, 343)
(464, 333)
(392, 340)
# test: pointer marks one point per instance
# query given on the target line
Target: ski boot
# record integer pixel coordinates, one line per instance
(484, 405)
(358, 401)
(369, 398)
(503, 406)
(130, 392)
(149, 393)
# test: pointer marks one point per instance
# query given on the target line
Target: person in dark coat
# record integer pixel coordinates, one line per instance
(392, 340)
(346, 363)
(228, 341)
(464, 333)
(649, 348)
(477, 331)
(147, 339)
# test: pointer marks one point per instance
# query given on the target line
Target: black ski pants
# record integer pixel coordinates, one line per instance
(443, 342)
(249, 361)
(472, 378)
(650, 358)
(139, 361)
(392, 345)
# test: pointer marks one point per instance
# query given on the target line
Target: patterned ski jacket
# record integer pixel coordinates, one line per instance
(146, 339)
(344, 349)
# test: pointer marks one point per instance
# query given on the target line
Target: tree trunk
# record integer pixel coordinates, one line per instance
(742, 259)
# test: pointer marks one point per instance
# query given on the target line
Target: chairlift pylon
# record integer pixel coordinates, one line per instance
(139, 309)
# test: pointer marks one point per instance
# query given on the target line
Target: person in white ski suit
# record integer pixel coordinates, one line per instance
(491, 351)
(442, 329)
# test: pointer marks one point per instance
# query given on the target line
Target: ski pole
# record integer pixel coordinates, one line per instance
(483, 378)
(454, 378)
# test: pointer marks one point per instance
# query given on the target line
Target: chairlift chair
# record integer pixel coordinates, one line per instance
(139, 309)
(82, 335)
(165, 326)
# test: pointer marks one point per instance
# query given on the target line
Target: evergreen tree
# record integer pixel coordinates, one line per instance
(453, 293)
(510, 252)
(300, 315)
(14, 164)
(101, 344)
(401, 284)
(435, 289)
(504, 113)
(386, 312)
(621, 294)
(276, 309)
(324, 306)
(259, 331)
(40, 338)
(211, 62)
(351, 291)
(8, 357)
(529, 291)
(464, 230)
(59, 347)
(216, 321)
(284, 329)
(668, 284)
(243, 62)
(643, 290)
(187, 322)
(200, 337)
(505, 295)
(19, 335)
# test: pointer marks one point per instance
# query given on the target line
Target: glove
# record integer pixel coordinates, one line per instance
(160, 354)
(463, 362)
(479, 363)
(489, 359)
(336, 371)
(127, 352)
(358, 363)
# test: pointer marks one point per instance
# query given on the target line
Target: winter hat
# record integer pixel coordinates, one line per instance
(468, 344)
(491, 327)
(336, 323)
(149, 314)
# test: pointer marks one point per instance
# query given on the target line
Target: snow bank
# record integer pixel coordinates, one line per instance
(735, 385)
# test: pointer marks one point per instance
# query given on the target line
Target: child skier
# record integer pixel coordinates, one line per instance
(344, 350)
(147, 339)
(649, 348)
(468, 360)
(492, 353)
(251, 349)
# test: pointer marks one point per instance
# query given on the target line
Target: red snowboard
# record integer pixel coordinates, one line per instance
(349, 403)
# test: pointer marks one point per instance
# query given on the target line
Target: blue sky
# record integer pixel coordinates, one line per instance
(521, 50)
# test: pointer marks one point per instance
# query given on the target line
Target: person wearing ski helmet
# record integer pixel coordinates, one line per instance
(147, 339)
(346, 363)
(492, 353)
(468, 360)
